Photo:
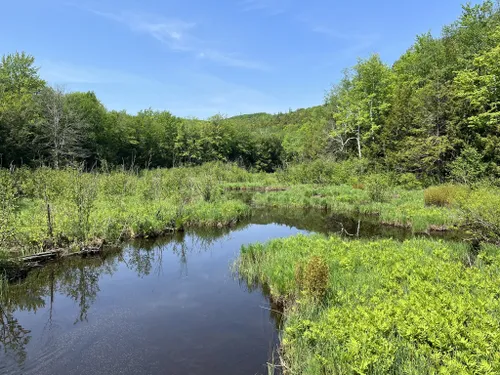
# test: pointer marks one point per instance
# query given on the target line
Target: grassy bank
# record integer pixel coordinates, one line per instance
(383, 307)
(45, 208)
(393, 206)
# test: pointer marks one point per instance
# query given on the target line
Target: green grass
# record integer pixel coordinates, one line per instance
(255, 186)
(402, 207)
(45, 208)
(443, 195)
(112, 206)
(416, 307)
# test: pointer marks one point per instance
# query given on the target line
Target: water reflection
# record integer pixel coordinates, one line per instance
(326, 222)
(13, 337)
(169, 303)
(77, 278)
(86, 291)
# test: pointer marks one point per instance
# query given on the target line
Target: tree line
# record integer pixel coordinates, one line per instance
(43, 125)
(435, 113)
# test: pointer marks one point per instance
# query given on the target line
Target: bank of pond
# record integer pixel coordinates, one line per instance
(216, 270)
(70, 209)
(356, 297)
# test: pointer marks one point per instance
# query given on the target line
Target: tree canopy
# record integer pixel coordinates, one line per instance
(435, 112)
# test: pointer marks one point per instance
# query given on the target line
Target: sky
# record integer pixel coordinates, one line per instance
(197, 58)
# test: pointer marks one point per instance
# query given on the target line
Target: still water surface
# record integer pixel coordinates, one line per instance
(171, 306)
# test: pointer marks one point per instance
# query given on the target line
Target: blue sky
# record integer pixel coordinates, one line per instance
(197, 58)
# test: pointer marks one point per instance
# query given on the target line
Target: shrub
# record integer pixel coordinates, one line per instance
(479, 213)
(83, 196)
(315, 277)
(408, 181)
(468, 167)
(442, 196)
(379, 187)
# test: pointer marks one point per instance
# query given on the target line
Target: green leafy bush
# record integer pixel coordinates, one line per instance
(408, 181)
(469, 167)
(379, 187)
(479, 211)
(315, 277)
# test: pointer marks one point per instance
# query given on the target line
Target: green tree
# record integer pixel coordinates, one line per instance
(86, 106)
(19, 85)
(477, 92)
(360, 104)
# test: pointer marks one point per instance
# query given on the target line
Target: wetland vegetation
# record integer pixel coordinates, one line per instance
(398, 171)
(381, 307)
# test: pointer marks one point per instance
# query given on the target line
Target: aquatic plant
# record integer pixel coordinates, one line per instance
(70, 208)
(443, 195)
(412, 307)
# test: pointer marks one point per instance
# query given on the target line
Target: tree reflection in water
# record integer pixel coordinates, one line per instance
(78, 278)
(13, 337)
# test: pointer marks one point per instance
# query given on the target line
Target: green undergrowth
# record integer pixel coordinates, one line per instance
(69, 208)
(45, 208)
(395, 206)
(383, 307)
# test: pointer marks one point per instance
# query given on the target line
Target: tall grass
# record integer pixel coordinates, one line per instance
(415, 307)
(443, 195)
(394, 206)
(8, 206)
(71, 208)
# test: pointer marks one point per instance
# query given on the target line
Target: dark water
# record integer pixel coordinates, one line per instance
(165, 307)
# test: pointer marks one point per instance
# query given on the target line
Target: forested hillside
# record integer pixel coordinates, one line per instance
(435, 112)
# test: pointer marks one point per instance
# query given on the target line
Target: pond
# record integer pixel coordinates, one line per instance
(171, 306)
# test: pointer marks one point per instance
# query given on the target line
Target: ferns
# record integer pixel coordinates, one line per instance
(390, 307)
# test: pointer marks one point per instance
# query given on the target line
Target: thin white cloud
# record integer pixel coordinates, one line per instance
(172, 32)
(179, 35)
(59, 72)
(231, 60)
